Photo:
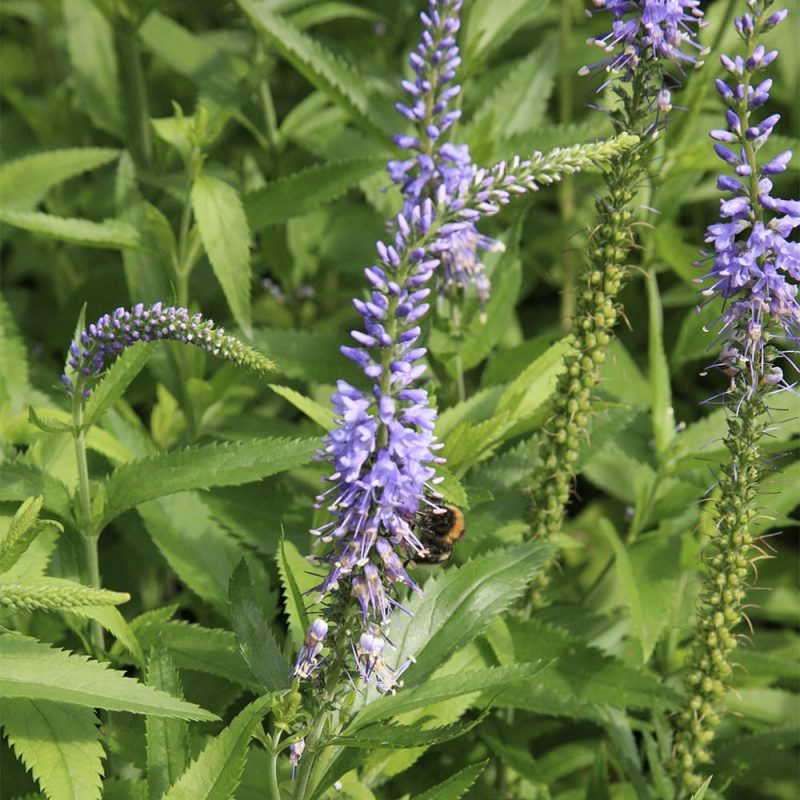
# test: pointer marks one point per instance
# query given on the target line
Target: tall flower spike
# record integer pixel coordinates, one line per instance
(435, 162)
(102, 341)
(755, 270)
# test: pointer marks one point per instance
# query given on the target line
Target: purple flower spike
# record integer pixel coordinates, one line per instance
(754, 265)
(435, 163)
(648, 30)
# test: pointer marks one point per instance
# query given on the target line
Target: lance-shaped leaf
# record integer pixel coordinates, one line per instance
(339, 81)
(499, 681)
(292, 566)
(402, 736)
(211, 650)
(59, 743)
(460, 603)
(34, 670)
(201, 467)
(24, 182)
(226, 238)
(167, 739)
(256, 641)
(24, 528)
(116, 380)
(455, 786)
(307, 190)
(14, 384)
(582, 679)
(19, 481)
(218, 769)
(111, 233)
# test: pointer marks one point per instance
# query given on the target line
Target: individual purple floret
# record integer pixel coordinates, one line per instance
(102, 341)
(755, 267)
(296, 750)
(308, 659)
(648, 30)
(435, 162)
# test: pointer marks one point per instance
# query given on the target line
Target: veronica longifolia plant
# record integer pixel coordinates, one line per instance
(755, 270)
(383, 450)
(649, 44)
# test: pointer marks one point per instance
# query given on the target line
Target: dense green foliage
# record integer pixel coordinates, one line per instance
(154, 586)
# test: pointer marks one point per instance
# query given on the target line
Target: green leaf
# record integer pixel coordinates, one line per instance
(201, 467)
(14, 385)
(701, 792)
(24, 528)
(59, 744)
(581, 679)
(291, 565)
(307, 355)
(226, 238)
(498, 680)
(19, 481)
(403, 736)
(676, 252)
(167, 739)
(113, 621)
(54, 594)
(34, 670)
(455, 786)
(256, 641)
(753, 755)
(460, 603)
(324, 12)
(95, 76)
(518, 104)
(529, 392)
(218, 769)
(199, 550)
(211, 650)
(322, 415)
(111, 233)
(660, 391)
(655, 566)
(146, 269)
(116, 380)
(25, 181)
(339, 81)
(491, 24)
(307, 190)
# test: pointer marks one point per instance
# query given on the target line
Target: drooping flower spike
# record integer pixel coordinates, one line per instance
(102, 341)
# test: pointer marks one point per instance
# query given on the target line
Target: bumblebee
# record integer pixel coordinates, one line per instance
(439, 528)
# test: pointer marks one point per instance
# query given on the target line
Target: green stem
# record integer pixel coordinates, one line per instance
(136, 107)
(459, 363)
(566, 191)
(274, 752)
(309, 760)
(86, 524)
